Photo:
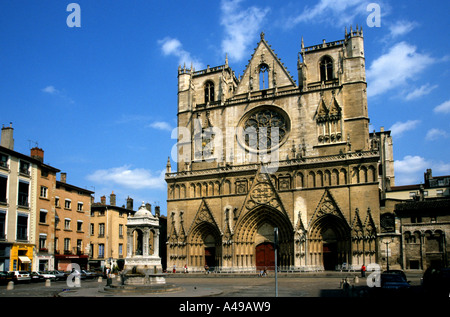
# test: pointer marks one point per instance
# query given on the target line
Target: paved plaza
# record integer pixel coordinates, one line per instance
(216, 285)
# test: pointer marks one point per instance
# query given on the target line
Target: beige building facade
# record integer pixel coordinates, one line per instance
(108, 233)
(263, 159)
(18, 193)
(73, 211)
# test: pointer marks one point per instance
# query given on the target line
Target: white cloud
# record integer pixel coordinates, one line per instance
(50, 90)
(334, 12)
(241, 27)
(434, 134)
(173, 47)
(161, 125)
(421, 91)
(401, 27)
(443, 107)
(395, 68)
(398, 128)
(410, 169)
(127, 177)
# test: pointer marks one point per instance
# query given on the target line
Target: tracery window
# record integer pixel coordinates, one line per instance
(265, 129)
(326, 69)
(209, 91)
(263, 76)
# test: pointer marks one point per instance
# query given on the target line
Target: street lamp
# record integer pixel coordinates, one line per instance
(387, 242)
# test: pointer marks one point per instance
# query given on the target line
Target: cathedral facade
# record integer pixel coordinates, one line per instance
(264, 162)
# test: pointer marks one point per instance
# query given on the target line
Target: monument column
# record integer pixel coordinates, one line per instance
(156, 241)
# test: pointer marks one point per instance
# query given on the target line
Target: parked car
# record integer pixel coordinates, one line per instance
(47, 275)
(6, 277)
(75, 273)
(396, 272)
(436, 281)
(36, 277)
(394, 281)
(58, 275)
(89, 274)
(21, 276)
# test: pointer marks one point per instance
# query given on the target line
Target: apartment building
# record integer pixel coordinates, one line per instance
(108, 233)
(18, 189)
(72, 218)
(45, 213)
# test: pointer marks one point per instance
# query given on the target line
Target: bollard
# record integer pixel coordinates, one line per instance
(48, 283)
(10, 286)
(356, 280)
(77, 281)
(100, 279)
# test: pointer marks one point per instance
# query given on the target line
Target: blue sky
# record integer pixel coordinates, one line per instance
(101, 99)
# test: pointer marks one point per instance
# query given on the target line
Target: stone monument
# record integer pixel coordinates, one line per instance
(142, 271)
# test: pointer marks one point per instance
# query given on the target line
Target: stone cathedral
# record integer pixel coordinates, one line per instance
(261, 153)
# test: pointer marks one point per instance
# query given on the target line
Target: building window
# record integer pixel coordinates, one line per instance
(3, 189)
(44, 192)
(57, 203)
(43, 216)
(120, 230)
(22, 226)
(3, 160)
(42, 242)
(79, 225)
(101, 229)
(24, 168)
(67, 224)
(2, 224)
(209, 91)
(23, 194)
(80, 206)
(67, 204)
(101, 250)
(67, 245)
(79, 246)
(326, 69)
(439, 193)
(263, 76)
(92, 229)
(120, 249)
(264, 128)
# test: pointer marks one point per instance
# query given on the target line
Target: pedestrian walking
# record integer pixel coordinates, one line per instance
(174, 268)
(363, 271)
(185, 268)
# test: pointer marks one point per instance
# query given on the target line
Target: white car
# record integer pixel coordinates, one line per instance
(21, 276)
(48, 276)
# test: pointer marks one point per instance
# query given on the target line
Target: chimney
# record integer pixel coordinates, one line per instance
(37, 154)
(7, 139)
(103, 200)
(148, 207)
(63, 177)
(112, 199)
(157, 212)
(129, 203)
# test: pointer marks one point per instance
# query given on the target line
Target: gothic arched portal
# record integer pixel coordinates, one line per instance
(254, 239)
(204, 246)
(329, 242)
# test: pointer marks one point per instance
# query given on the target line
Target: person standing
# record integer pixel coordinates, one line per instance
(363, 271)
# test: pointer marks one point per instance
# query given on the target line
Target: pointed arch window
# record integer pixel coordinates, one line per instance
(209, 91)
(263, 76)
(326, 69)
